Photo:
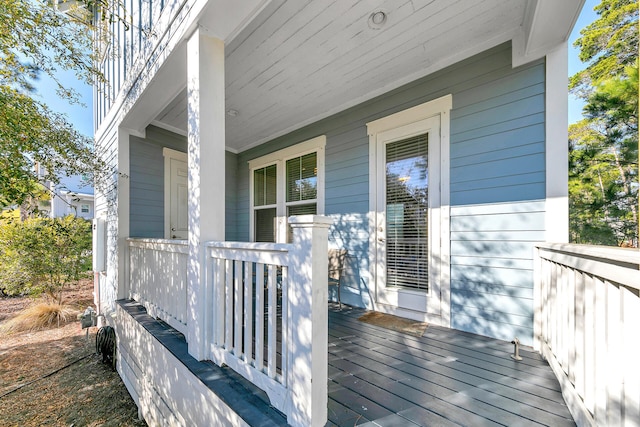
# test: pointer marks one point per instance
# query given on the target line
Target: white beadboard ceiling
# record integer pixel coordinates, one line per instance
(299, 61)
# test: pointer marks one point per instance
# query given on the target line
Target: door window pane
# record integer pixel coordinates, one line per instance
(407, 182)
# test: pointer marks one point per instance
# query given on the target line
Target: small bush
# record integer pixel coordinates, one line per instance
(43, 255)
(39, 316)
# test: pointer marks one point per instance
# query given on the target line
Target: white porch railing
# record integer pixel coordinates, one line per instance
(250, 285)
(158, 278)
(264, 309)
(269, 320)
(587, 322)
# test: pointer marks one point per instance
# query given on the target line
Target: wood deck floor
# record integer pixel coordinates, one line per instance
(378, 377)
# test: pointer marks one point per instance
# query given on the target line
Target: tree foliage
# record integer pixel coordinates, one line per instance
(603, 147)
(607, 45)
(31, 134)
(35, 38)
(43, 255)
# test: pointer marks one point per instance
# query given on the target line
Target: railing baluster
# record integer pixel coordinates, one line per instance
(580, 326)
(272, 321)
(228, 306)
(286, 321)
(248, 312)
(630, 365)
(614, 356)
(220, 295)
(600, 350)
(259, 359)
(237, 309)
(589, 339)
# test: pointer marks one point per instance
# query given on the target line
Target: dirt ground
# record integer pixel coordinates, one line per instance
(53, 377)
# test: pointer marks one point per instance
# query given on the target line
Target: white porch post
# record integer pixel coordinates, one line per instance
(308, 321)
(557, 137)
(206, 159)
(123, 203)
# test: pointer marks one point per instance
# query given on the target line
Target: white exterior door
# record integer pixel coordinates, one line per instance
(176, 192)
(409, 245)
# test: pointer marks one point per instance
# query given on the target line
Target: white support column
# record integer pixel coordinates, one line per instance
(123, 204)
(557, 137)
(206, 159)
(308, 322)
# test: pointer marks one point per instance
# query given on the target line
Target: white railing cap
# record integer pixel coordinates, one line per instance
(611, 253)
(306, 220)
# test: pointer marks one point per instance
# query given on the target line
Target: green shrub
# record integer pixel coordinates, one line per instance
(43, 255)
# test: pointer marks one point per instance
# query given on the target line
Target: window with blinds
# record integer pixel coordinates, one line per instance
(302, 187)
(265, 203)
(300, 177)
(407, 182)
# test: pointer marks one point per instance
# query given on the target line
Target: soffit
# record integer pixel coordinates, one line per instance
(299, 61)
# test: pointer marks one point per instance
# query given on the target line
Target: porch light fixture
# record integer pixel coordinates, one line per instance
(232, 113)
(377, 19)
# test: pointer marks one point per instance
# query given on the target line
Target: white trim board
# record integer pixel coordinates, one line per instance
(417, 119)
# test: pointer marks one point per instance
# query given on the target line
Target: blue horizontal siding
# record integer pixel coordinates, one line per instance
(146, 181)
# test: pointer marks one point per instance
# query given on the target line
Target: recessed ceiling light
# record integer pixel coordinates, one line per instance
(232, 113)
(377, 19)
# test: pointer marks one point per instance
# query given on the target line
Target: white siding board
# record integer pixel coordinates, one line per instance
(494, 312)
(482, 261)
(522, 250)
(499, 236)
(491, 288)
(489, 323)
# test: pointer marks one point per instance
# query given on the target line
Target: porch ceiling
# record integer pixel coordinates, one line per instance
(296, 62)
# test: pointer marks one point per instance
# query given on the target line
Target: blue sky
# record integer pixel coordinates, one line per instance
(82, 116)
(587, 16)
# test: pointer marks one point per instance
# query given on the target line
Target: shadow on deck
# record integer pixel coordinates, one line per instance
(378, 377)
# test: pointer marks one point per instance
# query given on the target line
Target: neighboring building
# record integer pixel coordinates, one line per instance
(428, 139)
(72, 196)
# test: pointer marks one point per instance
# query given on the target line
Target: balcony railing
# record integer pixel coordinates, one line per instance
(587, 316)
(158, 279)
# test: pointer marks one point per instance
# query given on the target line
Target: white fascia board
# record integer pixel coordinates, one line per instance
(546, 25)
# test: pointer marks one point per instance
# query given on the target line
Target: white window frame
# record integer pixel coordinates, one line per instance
(279, 158)
(406, 123)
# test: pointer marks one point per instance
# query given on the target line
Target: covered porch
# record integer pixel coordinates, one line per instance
(587, 306)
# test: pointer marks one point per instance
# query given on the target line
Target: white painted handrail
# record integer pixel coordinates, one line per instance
(269, 320)
(158, 278)
(587, 316)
